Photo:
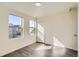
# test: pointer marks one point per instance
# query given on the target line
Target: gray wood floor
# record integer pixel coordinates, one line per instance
(42, 50)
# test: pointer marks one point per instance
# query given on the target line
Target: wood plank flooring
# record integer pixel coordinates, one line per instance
(42, 50)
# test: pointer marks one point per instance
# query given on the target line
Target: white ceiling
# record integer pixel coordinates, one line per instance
(46, 8)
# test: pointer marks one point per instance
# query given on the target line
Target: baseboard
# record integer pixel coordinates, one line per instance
(72, 49)
(44, 43)
(40, 42)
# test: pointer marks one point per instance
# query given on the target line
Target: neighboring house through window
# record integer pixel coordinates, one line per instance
(15, 26)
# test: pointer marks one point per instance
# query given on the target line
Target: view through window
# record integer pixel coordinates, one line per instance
(32, 27)
(36, 28)
(15, 26)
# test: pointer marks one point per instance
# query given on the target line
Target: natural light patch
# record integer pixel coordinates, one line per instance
(43, 47)
(57, 51)
(40, 28)
(40, 32)
(41, 36)
(56, 42)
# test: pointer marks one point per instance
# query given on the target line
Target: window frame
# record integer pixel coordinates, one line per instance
(31, 27)
(22, 26)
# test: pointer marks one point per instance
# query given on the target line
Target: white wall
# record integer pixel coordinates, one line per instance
(7, 45)
(63, 26)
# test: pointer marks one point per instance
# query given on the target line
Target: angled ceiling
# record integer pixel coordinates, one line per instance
(46, 8)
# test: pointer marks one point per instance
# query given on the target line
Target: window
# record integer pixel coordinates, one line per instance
(32, 27)
(15, 26)
(36, 28)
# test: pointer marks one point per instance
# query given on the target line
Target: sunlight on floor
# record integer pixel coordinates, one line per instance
(56, 42)
(43, 47)
(59, 51)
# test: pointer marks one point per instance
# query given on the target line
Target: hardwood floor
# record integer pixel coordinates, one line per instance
(42, 50)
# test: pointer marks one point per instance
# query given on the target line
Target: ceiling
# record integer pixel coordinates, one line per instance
(46, 8)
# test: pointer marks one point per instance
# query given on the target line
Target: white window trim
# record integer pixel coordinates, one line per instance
(22, 24)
